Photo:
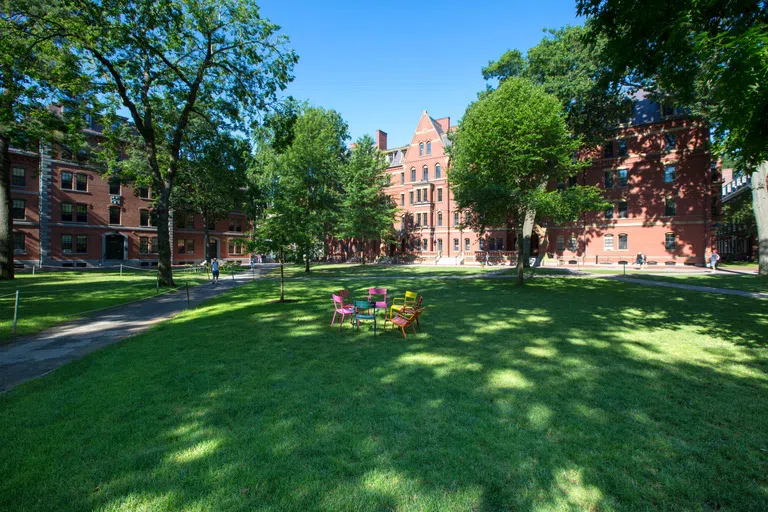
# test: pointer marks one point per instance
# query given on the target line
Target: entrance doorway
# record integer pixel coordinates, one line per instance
(213, 249)
(114, 247)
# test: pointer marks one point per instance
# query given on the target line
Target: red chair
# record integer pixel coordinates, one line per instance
(379, 295)
(339, 308)
(344, 294)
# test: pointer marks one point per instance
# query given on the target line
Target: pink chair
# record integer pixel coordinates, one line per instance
(341, 309)
(380, 296)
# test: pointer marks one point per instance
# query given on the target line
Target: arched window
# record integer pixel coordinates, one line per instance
(455, 244)
(466, 244)
(573, 244)
(413, 174)
(670, 241)
(560, 243)
(439, 218)
(424, 244)
(421, 149)
(623, 242)
(482, 244)
(608, 242)
(438, 172)
(429, 148)
(425, 173)
(456, 220)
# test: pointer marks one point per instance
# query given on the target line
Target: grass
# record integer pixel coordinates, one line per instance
(748, 283)
(566, 394)
(353, 270)
(50, 298)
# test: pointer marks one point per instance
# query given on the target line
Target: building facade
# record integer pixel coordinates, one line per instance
(65, 213)
(656, 171)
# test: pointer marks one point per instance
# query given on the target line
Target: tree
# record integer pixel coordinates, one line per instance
(35, 71)
(509, 145)
(708, 56)
(367, 212)
(160, 59)
(212, 175)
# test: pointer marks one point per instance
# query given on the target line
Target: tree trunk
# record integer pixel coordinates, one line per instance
(520, 250)
(543, 242)
(6, 219)
(530, 217)
(306, 262)
(282, 276)
(760, 206)
(206, 239)
(362, 254)
(164, 239)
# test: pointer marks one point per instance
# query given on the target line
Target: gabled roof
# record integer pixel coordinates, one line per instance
(440, 132)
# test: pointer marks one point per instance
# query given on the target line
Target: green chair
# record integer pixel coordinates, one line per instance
(365, 310)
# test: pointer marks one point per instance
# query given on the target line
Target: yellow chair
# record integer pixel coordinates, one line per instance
(399, 303)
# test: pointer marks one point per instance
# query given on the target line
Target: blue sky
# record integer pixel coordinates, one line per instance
(381, 63)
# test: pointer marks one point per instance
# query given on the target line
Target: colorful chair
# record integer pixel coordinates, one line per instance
(374, 294)
(398, 303)
(364, 311)
(339, 308)
(344, 294)
(403, 321)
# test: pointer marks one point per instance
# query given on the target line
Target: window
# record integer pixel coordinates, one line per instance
(81, 213)
(19, 243)
(424, 244)
(19, 177)
(66, 180)
(143, 245)
(608, 179)
(623, 148)
(456, 220)
(114, 215)
(418, 219)
(143, 217)
(402, 199)
(439, 218)
(456, 244)
(623, 242)
(482, 244)
(153, 218)
(670, 141)
(669, 174)
(429, 148)
(560, 244)
(418, 195)
(670, 207)
(440, 244)
(180, 220)
(438, 172)
(439, 195)
(608, 242)
(466, 244)
(235, 247)
(66, 212)
(66, 243)
(623, 210)
(466, 218)
(153, 246)
(211, 225)
(18, 210)
(114, 186)
(670, 241)
(410, 197)
(425, 173)
(81, 182)
(623, 177)
(608, 149)
(144, 192)
(573, 243)
(81, 243)
(492, 244)
(421, 149)
(185, 246)
(236, 225)
(609, 213)
(500, 244)
(413, 175)
(402, 178)
(426, 220)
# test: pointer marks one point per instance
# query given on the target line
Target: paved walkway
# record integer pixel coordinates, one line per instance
(33, 356)
(680, 286)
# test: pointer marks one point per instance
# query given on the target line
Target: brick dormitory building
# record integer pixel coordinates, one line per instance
(65, 213)
(656, 170)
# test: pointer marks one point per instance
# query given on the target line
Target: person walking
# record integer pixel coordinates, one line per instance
(215, 270)
(640, 260)
(714, 259)
(253, 262)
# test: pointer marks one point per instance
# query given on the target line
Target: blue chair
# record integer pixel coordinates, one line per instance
(365, 310)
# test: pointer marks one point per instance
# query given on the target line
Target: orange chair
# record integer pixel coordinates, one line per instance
(404, 321)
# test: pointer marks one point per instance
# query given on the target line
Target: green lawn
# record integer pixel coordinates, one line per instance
(749, 283)
(50, 298)
(566, 394)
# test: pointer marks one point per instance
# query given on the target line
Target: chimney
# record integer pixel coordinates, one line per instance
(381, 140)
(445, 123)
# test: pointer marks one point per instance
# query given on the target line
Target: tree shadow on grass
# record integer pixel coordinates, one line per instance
(563, 394)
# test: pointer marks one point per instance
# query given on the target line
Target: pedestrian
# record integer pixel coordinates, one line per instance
(215, 270)
(639, 260)
(714, 259)
(253, 261)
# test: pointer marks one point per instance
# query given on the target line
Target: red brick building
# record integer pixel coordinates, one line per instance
(66, 214)
(656, 171)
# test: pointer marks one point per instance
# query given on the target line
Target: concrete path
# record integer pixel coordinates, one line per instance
(32, 356)
(680, 286)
